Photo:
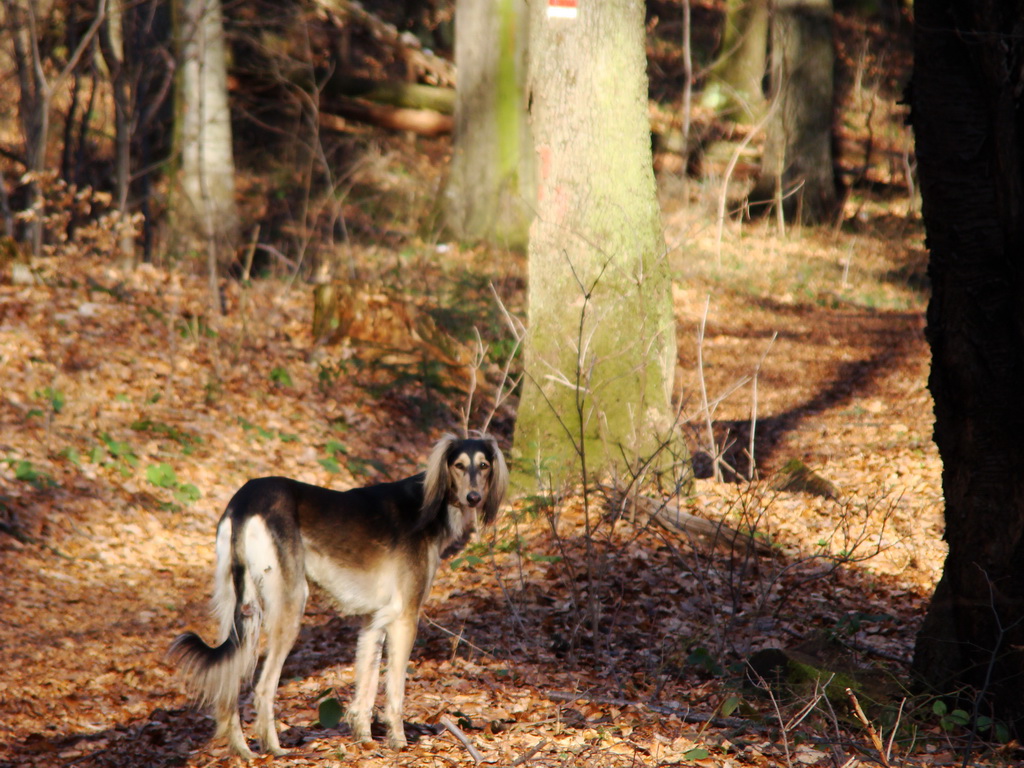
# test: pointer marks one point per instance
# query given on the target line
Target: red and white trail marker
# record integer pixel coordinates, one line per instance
(561, 9)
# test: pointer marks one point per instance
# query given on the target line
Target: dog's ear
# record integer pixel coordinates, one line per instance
(437, 483)
(499, 481)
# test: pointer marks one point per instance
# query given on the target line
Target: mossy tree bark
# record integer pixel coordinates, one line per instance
(490, 193)
(734, 86)
(797, 168)
(967, 110)
(601, 351)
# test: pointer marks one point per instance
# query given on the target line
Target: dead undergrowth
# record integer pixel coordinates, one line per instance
(130, 414)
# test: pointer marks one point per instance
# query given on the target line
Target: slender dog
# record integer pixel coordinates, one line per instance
(375, 550)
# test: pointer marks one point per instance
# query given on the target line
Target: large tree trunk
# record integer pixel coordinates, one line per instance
(601, 352)
(491, 184)
(113, 48)
(968, 117)
(734, 87)
(797, 169)
(204, 215)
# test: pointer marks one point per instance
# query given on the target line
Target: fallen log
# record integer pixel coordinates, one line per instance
(423, 122)
(392, 93)
(713, 533)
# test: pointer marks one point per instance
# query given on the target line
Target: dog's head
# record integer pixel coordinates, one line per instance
(469, 474)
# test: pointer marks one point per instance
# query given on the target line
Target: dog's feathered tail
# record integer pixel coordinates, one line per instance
(215, 673)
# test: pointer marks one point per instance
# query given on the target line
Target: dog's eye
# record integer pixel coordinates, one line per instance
(484, 465)
(460, 466)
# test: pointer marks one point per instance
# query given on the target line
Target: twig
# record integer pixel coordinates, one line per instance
(462, 640)
(872, 733)
(458, 734)
(895, 728)
(715, 466)
(753, 406)
(723, 196)
(529, 753)
(686, 715)
(479, 356)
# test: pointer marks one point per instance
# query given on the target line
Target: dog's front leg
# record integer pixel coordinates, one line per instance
(368, 651)
(401, 635)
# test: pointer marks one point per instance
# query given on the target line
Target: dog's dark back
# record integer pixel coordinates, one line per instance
(342, 520)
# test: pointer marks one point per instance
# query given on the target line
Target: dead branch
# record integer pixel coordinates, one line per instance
(529, 753)
(872, 733)
(715, 533)
(686, 715)
(458, 734)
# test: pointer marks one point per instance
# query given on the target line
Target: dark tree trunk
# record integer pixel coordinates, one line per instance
(969, 127)
(149, 64)
(797, 169)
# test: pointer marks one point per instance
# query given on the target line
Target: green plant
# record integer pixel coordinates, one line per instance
(702, 659)
(162, 475)
(950, 719)
(329, 712)
(115, 453)
(195, 327)
(330, 373)
(55, 398)
(72, 454)
(260, 432)
(188, 442)
(281, 377)
(26, 472)
(334, 449)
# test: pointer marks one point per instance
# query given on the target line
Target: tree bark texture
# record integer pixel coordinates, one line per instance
(968, 118)
(205, 205)
(113, 49)
(797, 168)
(734, 86)
(600, 353)
(148, 42)
(490, 193)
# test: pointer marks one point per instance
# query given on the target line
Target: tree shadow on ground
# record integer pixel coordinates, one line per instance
(880, 343)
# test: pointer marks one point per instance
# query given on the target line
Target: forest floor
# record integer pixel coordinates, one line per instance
(130, 413)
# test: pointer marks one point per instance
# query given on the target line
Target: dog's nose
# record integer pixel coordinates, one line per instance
(472, 498)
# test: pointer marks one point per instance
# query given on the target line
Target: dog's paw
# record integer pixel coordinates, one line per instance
(361, 733)
(359, 725)
(397, 741)
(242, 750)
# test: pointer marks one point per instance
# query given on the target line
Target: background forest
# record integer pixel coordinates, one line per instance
(317, 304)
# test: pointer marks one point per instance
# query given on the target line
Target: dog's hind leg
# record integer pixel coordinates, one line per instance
(277, 568)
(229, 728)
(367, 666)
(401, 636)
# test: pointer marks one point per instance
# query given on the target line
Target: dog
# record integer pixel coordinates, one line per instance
(374, 550)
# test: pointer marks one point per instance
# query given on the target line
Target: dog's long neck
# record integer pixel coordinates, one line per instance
(461, 523)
